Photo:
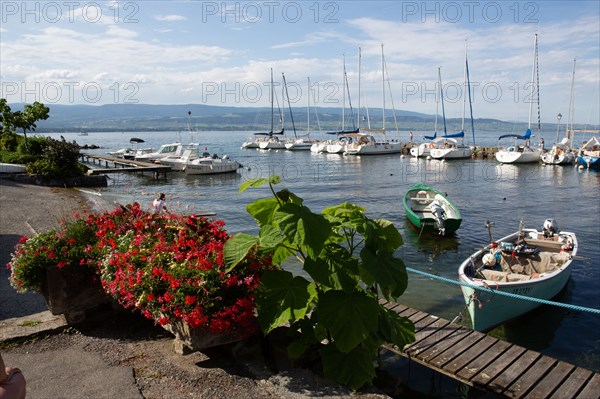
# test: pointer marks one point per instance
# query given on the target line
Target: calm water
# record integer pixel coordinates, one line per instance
(482, 189)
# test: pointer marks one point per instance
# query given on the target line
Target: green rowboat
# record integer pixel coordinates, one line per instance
(430, 210)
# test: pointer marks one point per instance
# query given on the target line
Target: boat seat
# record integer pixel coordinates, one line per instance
(543, 262)
(495, 275)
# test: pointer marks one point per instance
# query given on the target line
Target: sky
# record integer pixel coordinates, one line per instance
(222, 53)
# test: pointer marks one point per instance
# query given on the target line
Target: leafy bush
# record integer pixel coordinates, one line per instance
(34, 146)
(350, 260)
(58, 159)
(72, 247)
(9, 141)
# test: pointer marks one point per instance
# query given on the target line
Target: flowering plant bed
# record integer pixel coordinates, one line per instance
(62, 265)
(71, 248)
(171, 268)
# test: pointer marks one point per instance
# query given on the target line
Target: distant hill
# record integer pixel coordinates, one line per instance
(148, 117)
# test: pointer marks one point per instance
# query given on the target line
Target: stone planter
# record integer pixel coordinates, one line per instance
(72, 293)
(194, 339)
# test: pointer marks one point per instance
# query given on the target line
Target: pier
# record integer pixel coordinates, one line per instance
(490, 364)
(119, 165)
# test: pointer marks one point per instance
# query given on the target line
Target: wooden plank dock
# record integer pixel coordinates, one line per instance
(120, 165)
(490, 364)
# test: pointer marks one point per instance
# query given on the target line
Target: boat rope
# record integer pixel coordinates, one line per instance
(486, 288)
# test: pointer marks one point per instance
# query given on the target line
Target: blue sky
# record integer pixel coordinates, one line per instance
(221, 53)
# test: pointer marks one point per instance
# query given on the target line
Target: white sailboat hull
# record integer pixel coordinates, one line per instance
(518, 155)
(336, 148)
(451, 153)
(421, 150)
(373, 149)
(271, 145)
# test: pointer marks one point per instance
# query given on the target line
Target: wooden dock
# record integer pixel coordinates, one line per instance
(490, 364)
(119, 165)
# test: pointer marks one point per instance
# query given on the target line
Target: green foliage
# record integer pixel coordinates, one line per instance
(35, 146)
(58, 159)
(350, 260)
(9, 142)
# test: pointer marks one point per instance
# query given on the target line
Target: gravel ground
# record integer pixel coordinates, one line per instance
(128, 341)
(120, 354)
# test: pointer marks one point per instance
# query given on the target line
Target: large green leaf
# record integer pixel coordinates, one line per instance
(281, 298)
(390, 235)
(236, 249)
(303, 228)
(394, 329)
(258, 182)
(287, 196)
(337, 270)
(353, 369)
(387, 271)
(350, 318)
(269, 237)
(262, 210)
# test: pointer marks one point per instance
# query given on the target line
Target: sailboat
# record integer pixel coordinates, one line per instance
(343, 136)
(424, 149)
(561, 153)
(260, 137)
(447, 146)
(524, 153)
(302, 143)
(366, 144)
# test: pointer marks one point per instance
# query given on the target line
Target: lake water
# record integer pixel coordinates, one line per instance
(482, 189)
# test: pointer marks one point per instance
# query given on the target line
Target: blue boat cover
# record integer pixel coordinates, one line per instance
(431, 137)
(345, 132)
(526, 136)
(453, 135)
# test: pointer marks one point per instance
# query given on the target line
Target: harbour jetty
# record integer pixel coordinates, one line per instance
(487, 363)
(119, 165)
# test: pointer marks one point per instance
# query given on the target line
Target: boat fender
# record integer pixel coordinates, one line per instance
(431, 145)
(489, 260)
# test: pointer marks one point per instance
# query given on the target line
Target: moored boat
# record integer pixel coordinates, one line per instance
(524, 153)
(211, 165)
(165, 150)
(589, 154)
(429, 210)
(559, 154)
(527, 262)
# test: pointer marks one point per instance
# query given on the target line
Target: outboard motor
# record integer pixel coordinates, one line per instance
(438, 212)
(550, 228)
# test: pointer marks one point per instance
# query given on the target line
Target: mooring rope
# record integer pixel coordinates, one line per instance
(508, 294)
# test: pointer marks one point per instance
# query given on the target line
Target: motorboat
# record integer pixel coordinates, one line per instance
(528, 263)
(430, 210)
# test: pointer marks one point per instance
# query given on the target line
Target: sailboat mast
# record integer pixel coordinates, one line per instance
(437, 100)
(344, 94)
(570, 132)
(442, 98)
(289, 104)
(469, 92)
(308, 108)
(272, 100)
(359, 92)
(532, 80)
(462, 127)
(383, 88)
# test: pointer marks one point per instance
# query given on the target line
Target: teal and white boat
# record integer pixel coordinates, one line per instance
(527, 263)
(429, 210)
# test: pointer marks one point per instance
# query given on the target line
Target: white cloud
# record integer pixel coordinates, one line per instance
(170, 18)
